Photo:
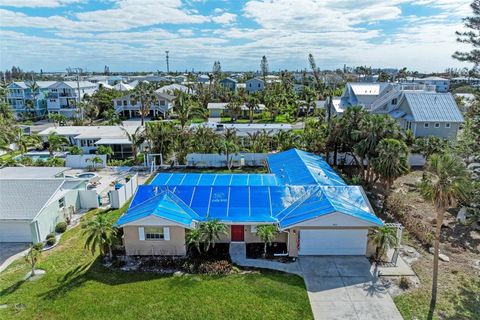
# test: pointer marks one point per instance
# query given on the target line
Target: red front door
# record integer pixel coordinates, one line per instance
(237, 233)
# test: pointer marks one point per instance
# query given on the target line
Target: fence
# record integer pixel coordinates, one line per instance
(220, 160)
(120, 196)
(83, 161)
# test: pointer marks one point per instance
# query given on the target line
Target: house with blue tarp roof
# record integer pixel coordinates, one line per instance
(315, 210)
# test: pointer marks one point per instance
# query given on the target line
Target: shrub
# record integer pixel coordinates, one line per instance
(404, 283)
(50, 235)
(220, 267)
(61, 227)
(38, 246)
(51, 241)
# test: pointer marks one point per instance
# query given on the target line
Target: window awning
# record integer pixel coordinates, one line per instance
(105, 141)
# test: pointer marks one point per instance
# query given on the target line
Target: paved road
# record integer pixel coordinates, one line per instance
(342, 287)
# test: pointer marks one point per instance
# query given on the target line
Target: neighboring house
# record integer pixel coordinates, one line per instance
(203, 78)
(315, 210)
(105, 80)
(254, 85)
(32, 172)
(219, 109)
(229, 83)
(90, 137)
(361, 94)
(244, 129)
(64, 95)
(441, 84)
(129, 107)
(428, 114)
(21, 99)
(171, 88)
(123, 87)
(31, 207)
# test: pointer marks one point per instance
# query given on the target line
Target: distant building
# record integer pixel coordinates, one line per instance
(203, 78)
(21, 98)
(127, 106)
(220, 109)
(441, 84)
(254, 85)
(63, 96)
(171, 88)
(229, 83)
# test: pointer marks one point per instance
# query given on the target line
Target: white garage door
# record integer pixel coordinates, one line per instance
(333, 242)
(15, 232)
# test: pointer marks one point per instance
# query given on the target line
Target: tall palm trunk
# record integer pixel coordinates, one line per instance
(436, 252)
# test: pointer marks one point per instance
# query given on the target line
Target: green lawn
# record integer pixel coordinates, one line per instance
(77, 286)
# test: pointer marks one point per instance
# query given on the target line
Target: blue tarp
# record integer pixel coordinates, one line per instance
(298, 167)
(302, 186)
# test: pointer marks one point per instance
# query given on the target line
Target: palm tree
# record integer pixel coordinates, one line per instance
(392, 160)
(160, 136)
(95, 161)
(143, 93)
(33, 256)
(205, 140)
(136, 139)
(267, 233)
(252, 105)
(228, 145)
(234, 108)
(56, 142)
(446, 183)
(100, 234)
(34, 88)
(184, 107)
(111, 117)
(194, 239)
(211, 231)
(384, 238)
(108, 151)
(90, 110)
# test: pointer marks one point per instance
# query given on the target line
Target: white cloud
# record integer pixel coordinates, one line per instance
(38, 3)
(225, 18)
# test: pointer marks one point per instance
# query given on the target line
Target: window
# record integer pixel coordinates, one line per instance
(259, 85)
(426, 125)
(119, 103)
(61, 203)
(394, 101)
(154, 233)
(250, 84)
(253, 229)
(437, 125)
(447, 125)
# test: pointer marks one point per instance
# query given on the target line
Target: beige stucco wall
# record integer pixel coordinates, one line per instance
(249, 236)
(173, 247)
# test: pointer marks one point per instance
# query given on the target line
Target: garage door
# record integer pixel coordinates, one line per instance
(15, 232)
(333, 242)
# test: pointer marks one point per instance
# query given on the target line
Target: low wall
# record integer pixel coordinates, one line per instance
(119, 197)
(83, 161)
(88, 199)
(220, 160)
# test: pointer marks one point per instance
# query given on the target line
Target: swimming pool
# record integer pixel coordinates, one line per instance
(86, 175)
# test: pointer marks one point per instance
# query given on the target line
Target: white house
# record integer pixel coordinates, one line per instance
(171, 88)
(63, 96)
(127, 106)
(90, 137)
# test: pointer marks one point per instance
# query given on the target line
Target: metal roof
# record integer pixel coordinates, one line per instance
(22, 199)
(431, 106)
(296, 167)
(31, 172)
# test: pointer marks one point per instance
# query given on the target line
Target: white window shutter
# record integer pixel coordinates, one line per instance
(141, 233)
(166, 233)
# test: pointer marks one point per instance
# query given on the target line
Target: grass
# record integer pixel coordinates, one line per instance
(77, 286)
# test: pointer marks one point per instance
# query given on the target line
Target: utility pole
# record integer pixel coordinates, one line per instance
(78, 71)
(166, 57)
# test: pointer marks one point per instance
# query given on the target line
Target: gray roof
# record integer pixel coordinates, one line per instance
(30, 172)
(431, 106)
(22, 199)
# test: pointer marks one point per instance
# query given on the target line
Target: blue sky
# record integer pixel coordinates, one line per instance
(131, 35)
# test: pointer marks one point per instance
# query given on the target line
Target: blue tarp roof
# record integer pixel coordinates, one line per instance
(301, 187)
(214, 179)
(300, 168)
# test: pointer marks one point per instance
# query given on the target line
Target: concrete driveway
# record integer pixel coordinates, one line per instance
(342, 287)
(9, 249)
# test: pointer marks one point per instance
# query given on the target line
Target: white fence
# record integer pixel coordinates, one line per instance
(119, 197)
(220, 160)
(88, 199)
(83, 161)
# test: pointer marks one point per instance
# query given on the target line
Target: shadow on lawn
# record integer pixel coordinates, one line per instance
(95, 271)
(14, 287)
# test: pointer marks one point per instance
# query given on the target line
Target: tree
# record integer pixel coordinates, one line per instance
(100, 233)
(143, 93)
(264, 69)
(217, 70)
(211, 231)
(136, 139)
(75, 150)
(234, 108)
(205, 140)
(90, 110)
(384, 238)
(392, 160)
(33, 256)
(160, 136)
(111, 117)
(228, 145)
(267, 233)
(184, 107)
(25, 142)
(106, 150)
(193, 238)
(252, 105)
(446, 183)
(56, 142)
(95, 161)
(35, 89)
(58, 119)
(471, 37)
